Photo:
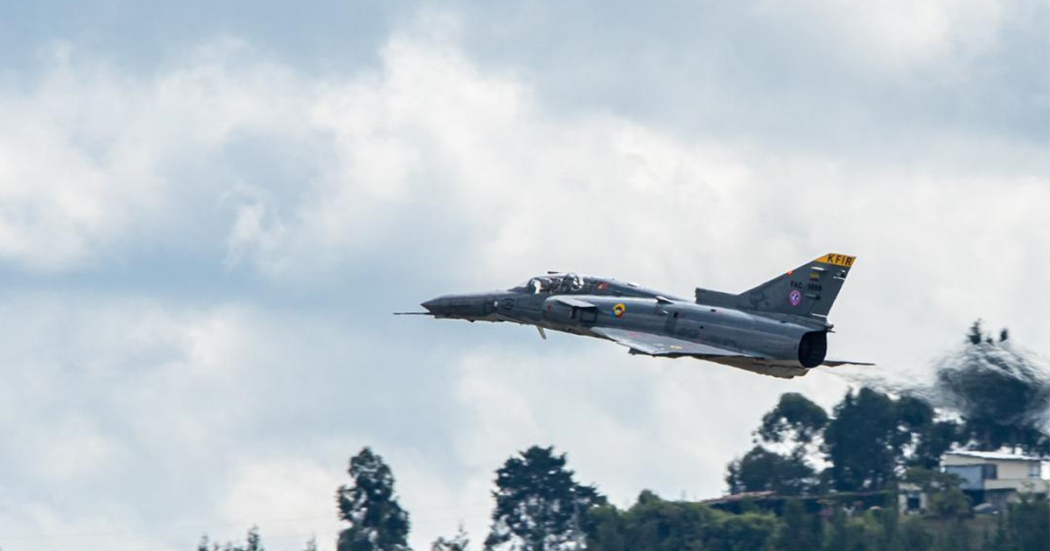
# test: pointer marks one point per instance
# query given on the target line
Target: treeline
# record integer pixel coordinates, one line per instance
(539, 506)
(814, 480)
(797, 524)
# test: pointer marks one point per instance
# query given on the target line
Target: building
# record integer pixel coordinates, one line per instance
(996, 478)
(992, 478)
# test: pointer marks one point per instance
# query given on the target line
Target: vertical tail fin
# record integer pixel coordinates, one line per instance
(808, 290)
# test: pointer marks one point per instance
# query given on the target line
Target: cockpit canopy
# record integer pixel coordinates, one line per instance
(570, 283)
(552, 283)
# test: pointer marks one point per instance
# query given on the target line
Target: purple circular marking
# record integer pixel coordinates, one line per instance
(795, 298)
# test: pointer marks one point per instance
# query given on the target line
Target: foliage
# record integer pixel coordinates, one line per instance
(607, 529)
(798, 530)
(794, 419)
(253, 542)
(761, 470)
(914, 536)
(459, 542)
(873, 438)
(539, 506)
(377, 521)
(653, 524)
(946, 500)
(1029, 524)
(864, 441)
(1002, 392)
(745, 532)
(956, 536)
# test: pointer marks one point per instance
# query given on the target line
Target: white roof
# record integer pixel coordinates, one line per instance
(997, 456)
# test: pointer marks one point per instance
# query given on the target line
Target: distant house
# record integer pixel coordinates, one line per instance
(996, 478)
(911, 499)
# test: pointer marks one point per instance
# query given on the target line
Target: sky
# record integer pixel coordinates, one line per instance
(209, 212)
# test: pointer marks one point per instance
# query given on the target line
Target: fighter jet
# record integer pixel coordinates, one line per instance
(778, 328)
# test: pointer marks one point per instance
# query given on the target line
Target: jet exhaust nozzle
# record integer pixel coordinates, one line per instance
(813, 348)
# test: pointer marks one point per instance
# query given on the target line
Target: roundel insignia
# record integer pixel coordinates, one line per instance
(619, 309)
(795, 297)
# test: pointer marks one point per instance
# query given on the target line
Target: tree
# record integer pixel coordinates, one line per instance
(539, 506)
(607, 530)
(1001, 539)
(459, 542)
(794, 419)
(763, 470)
(946, 499)
(311, 544)
(253, 542)
(955, 536)
(744, 532)
(913, 536)
(377, 521)
(933, 440)
(797, 531)
(1001, 391)
(864, 441)
(653, 524)
(1028, 523)
(837, 535)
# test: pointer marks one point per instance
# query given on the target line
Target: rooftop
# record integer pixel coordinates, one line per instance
(995, 456)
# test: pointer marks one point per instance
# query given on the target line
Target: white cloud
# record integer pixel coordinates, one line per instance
(448, 173)
(898, 36)
(292, 497)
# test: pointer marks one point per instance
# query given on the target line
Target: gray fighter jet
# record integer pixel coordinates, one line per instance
(779, 328)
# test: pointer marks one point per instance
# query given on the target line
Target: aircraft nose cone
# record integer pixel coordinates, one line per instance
(435, 306)
(469, 306)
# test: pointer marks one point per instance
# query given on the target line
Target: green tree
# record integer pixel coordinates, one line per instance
(946, 499)
(864, 441)
(607, 529)
(459, 542)
(763, 470)
(253, 542)
(539, 506)
(913, 535)
(653, 524)
(837, 536)
(1030, 524)
(955, 536)
(882, 534)
(1001, 391)
(933, 440)
(797, 530)
(377, 521)
(744, 532)
(1000, 539)
(795, 419)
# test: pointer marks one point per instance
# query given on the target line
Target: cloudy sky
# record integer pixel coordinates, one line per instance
(208, 212)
